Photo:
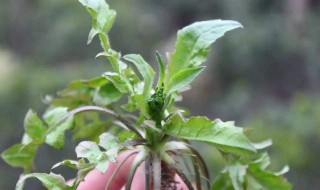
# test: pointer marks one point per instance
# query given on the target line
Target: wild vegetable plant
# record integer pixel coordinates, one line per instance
(148, 122)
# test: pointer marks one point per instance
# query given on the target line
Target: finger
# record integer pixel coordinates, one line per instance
(98, 181)
(138, 182)
(181, 185)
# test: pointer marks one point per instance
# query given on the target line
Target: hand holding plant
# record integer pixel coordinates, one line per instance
(149, 124)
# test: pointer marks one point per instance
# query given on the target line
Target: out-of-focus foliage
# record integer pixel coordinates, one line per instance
(267, 75)
(294, 129)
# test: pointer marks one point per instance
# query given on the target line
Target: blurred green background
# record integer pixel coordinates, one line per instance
(265, 76)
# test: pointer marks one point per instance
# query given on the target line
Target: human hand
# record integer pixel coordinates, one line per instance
(97, 181)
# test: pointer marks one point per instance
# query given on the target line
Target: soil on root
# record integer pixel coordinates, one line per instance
(167, 178)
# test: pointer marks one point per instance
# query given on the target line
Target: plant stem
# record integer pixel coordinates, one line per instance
(101, 109)
(147, 172)
(176, 168)
(156, 169)
(117, 169)
(135, 164)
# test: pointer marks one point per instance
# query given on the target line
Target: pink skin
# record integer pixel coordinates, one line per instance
(97, 181)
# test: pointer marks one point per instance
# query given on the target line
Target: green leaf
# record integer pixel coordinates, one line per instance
(95, 82)
(110, 144)
(82, 167)
(117, 81)
(53, 116)
(114, 59)
(182, 79)
(141, 103)
(102, 19)
(89, 129)
(20, 155)
(237, 174)
(76, 94)
(193, 44)
(50, 181)
(59, 123)
(70, 163)
(262, 162)
(263, 144)
(34, 127)
(161, 69)
(222, 182)
(131, 105)
(267, 179)
(224, 135)
(145, 70)
(91, 151)
(242, 174)
(125, 136)
(106, 95)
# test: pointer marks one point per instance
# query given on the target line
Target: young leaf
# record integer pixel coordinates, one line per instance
(193, 44)
(50, 181)
(182, 79)
(161, 69)
(145, 70)
(102, 19)
(34, 127)
(58, 124)
(224, 135)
